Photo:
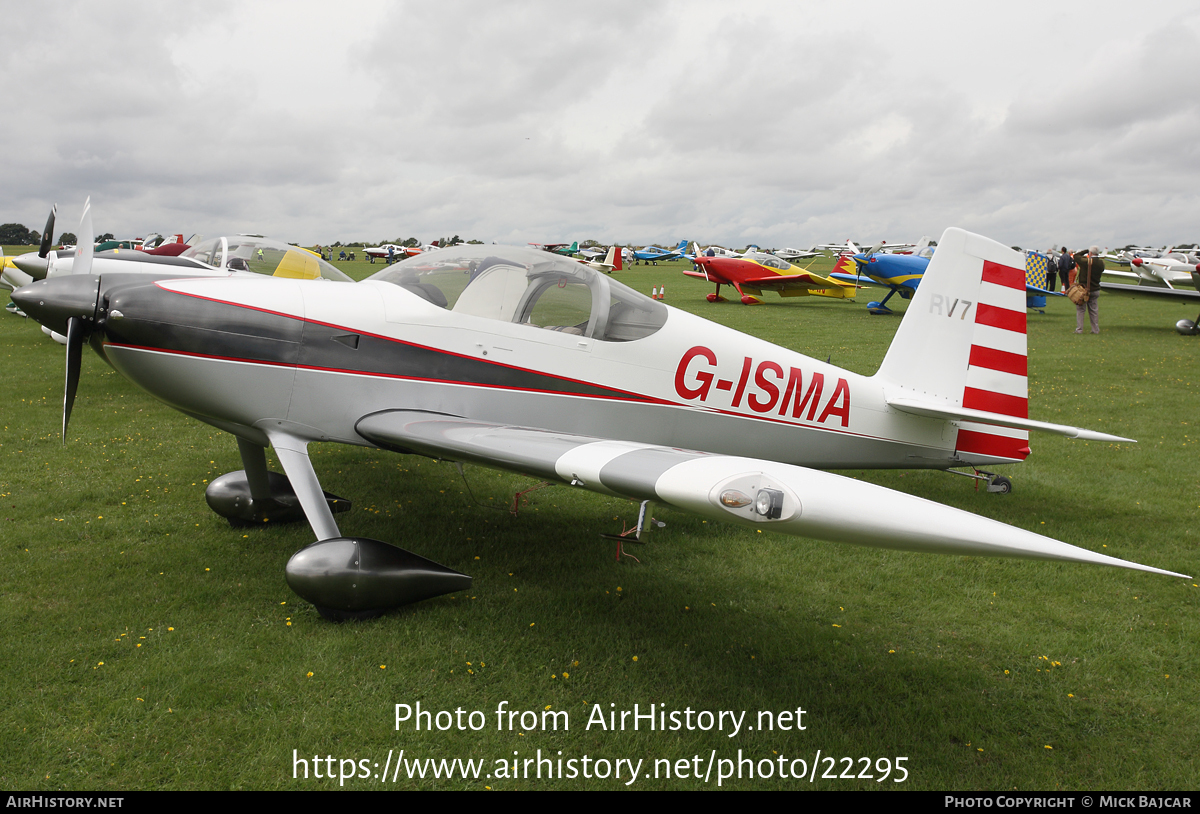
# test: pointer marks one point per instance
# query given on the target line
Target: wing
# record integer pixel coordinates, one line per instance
(864, 280)
(748, 491)
(710, 276)
(1185, 294)
(1033, 289)
(795, 282)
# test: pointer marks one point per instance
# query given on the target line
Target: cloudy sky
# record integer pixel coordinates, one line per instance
(781, 123)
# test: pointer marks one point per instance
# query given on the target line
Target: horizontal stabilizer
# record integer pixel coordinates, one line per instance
(751, 492)
(949, 412)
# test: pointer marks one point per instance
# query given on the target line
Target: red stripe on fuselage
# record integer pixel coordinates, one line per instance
(989, 402)
(1014, 363)
(1006, 276)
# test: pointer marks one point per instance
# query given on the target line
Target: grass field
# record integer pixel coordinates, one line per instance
(144, 644)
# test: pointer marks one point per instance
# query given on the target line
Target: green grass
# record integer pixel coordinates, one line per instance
(969, 668)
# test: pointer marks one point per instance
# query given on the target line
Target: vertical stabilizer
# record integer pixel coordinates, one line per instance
(962, 342)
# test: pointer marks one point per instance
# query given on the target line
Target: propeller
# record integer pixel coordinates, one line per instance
(82, 262)
(77, 326)
(75, 339)
(867, 255)
(48, 233)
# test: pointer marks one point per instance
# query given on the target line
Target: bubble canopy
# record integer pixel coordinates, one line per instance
(262, 255)
(528, 287)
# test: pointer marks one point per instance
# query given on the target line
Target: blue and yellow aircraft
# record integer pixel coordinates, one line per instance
(899, 272)
(902, 274)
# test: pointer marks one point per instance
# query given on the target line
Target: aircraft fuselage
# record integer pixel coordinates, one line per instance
(313, 357)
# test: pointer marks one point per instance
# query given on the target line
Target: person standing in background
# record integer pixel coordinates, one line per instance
(1066, 263)
(1090, 269)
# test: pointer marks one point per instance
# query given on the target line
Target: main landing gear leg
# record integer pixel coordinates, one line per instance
(995, 483)
(880, 308)
(256, 495)
(352, 577)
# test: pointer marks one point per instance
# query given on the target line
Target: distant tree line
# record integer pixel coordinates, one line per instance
(16, 234)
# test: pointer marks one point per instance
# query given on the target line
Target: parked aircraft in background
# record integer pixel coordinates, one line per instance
(46, 261)
(900, 273)
(612, 261)
(1186, 327)
(11, 277)
(791, 255)
(566, 249)
(717, 251)
(755, 272)
(653, 254)
(397, 252)
(1165, 272)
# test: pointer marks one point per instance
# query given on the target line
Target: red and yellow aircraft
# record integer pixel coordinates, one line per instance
(754, 272)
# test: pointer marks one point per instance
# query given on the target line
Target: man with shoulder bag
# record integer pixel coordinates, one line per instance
(1085, 293)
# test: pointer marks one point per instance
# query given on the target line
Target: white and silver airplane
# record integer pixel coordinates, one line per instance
(792, 255)
(521, 360)
(1164, 272)
(1185, 327)
(217, 257)
(612, 260)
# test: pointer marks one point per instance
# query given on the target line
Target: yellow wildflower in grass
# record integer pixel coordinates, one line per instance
(310, 674)
(383, 667)
(635, 658)
(566, 675)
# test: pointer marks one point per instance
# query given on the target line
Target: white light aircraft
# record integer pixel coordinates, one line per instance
(224, 256)
(521, 360)
(612, 261)
(1164, 272)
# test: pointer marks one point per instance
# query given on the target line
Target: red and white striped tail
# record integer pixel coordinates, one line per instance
(997, 368)
(962, 344)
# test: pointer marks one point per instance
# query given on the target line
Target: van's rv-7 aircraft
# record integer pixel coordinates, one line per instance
(521, 360)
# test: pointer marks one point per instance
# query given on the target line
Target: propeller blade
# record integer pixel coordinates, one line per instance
(82, 264)
(75, 338)
(48, 234)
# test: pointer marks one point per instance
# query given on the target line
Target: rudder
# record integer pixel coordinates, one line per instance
(962, 342)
